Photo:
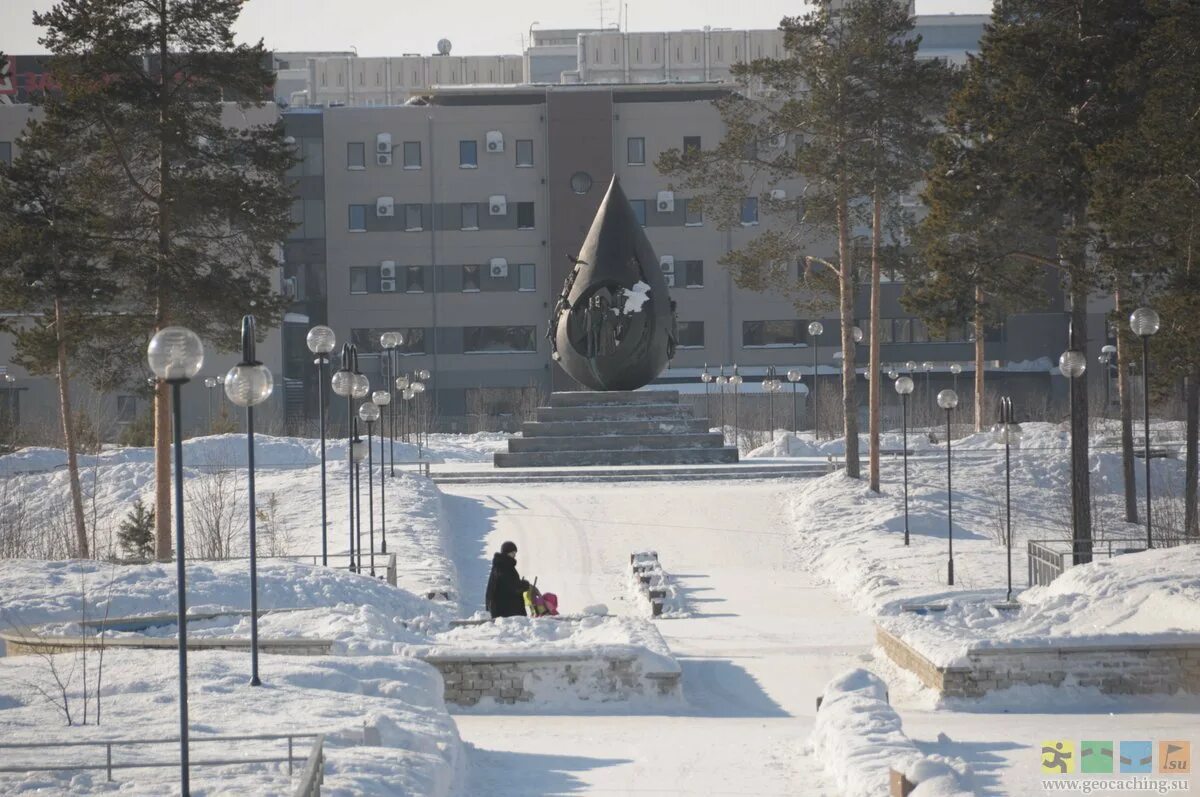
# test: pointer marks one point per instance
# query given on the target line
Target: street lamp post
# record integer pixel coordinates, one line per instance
(707, 379)
(793, 376)
(736, 381)
(418, 388)
(955, 369)
(904, 386)
(721, 381)
(210, 382)
(368, 413)
(772, 386)
(1008, 431)
(1072, 364)
(391, 342)
(948, 400)
(175, 355)
(815, 330)
(382, 398)
(248, 384)
(927, 367)
(402, 384)
(1107, 353)
(350, 384)
(1145, 322)
(321, 341)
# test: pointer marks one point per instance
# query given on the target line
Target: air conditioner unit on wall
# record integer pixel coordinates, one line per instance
(498, 268)
(387, 270)
(387, 286)
(667, 263)
(666, 202)
(495, 141)
(383, 143)
(385, 206)
(382, 159)
(778, 193)
(670, 278)
(498, 205)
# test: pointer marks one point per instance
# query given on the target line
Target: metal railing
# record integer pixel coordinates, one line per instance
(314, 771)
(109, 745)
(1048, 559)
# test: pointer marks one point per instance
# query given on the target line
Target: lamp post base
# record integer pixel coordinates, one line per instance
(950, 573)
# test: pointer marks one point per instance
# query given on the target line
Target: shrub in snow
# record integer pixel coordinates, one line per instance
(858, 738)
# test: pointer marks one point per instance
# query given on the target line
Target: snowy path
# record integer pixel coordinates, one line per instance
(762, 642)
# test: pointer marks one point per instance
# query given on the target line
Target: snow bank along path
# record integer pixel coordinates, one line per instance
(762, 641)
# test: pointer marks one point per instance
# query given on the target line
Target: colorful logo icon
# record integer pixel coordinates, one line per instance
(1137, 757)
(1058, 757)
(1095, 758)
(1175, 758)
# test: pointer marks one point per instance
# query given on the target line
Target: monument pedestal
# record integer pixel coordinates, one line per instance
(643, 427)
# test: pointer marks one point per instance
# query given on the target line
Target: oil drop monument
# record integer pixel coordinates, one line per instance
(613, 330)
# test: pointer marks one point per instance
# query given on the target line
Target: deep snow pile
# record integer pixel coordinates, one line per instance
(419, 751)
(787, 444)
(361, 614)
(858, 738)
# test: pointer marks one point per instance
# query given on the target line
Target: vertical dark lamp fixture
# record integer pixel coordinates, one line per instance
(402, 383)
(175, 355)
(1145, 322)
(248, 384)
(381, 399)
(793, 376)
(368, 413)
(1072, 364)
(1108, 353)
(210, 382)
(418, 388)
(1008, 432)
(955, 369)
(948, 400)
(736, 381)
(321, 341)
(391, 343)
(722, 381)
(771, 385)
(904, 386)
(815, 330)
(707, 379)
(345, 384)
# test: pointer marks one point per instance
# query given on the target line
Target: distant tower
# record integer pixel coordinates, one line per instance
(444, 47)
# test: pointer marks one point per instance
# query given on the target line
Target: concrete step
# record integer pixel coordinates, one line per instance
(595, 397)
(615, 442)
(608, 427)
(670, 456)
(628, 474)
(614, 412)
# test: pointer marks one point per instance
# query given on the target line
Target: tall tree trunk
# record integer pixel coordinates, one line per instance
(874, 392)
(1126, 399)
(846, 285)
(977, 329)
(162, 412)
(1191, 523)
(68, 426)
(1081, 500)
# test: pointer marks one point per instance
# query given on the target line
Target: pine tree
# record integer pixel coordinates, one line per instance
(193, 210)
(858, 107)
(136, 533)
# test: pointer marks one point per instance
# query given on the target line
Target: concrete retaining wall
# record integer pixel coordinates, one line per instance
(20, 645)
(511, 679)
(1162, 668)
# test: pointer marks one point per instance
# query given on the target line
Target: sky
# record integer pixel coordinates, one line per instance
(475, 27)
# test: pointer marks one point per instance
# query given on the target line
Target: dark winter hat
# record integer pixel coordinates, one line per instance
(508, 547)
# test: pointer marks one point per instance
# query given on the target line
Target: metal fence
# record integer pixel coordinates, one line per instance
(311, 778)
(1048, 559)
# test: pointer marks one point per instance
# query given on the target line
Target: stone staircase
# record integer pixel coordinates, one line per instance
(639, 427)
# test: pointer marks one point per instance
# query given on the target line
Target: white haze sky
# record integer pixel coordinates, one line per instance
(475, 27)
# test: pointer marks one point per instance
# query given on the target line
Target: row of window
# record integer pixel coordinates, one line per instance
(412, 279)
(475, 340)
(414, 216)
(635, 149)
(410, 152)
(693, 216)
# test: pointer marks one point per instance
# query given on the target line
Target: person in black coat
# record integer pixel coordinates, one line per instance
(506, 588)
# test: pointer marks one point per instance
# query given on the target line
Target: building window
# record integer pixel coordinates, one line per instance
(635, 151)
(693, 273)
(526, 277)
(414, 279)
(693, 216)
(773, 333)
(524, 152)
(902, 330)
(358, 279)
(525, 216)
(691, 144)
(126, 409)
(468, 155)
(639, 210)
(470, 279)
(312, 157)
(358, 218)
(367, 340)
(309, 217)
(499, 339)
(412, 154)
(885, 330)
(691, 334)
(750, 210)
(356, 155)
(6, 152)
(470, 216)
(412, 218)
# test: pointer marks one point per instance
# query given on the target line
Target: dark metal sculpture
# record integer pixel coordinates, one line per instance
(614, 326)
